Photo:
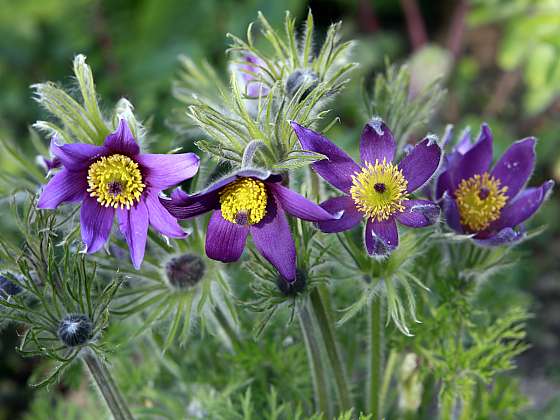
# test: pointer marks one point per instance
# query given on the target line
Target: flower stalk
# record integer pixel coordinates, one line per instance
(107, 387)
(376, 354)
(318, 371)
(324, 321)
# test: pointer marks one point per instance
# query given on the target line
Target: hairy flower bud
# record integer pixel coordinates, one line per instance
(185, 271)
(75, 330)
(8, 288)
(410, 384)
(292, 288)
(306, 78)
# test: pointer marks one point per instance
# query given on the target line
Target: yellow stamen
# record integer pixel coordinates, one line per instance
(480, 200)
(116, 181)
(244, 201)
(379, 190)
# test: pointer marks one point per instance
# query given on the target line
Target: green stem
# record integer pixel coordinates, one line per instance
(375, 357)
(318, 371)
(107, 387)
(324, 321)
(226, 326)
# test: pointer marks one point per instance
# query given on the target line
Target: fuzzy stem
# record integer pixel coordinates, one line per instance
(375, 357)
(107, 386)
(324, 321)
(228, 329)
(318, 371)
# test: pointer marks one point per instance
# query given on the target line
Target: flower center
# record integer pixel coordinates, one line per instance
(243, 202)
(379, 190)
(116, 181)
(480, 200)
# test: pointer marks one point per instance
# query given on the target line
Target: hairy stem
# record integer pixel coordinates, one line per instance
(318, 371)
(107, 387)
(375, 357)
(226, 326)
(324, 321)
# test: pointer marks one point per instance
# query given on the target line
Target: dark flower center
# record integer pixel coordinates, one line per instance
(242, 218)
(114, 188)
(483, 193)
(380, 187)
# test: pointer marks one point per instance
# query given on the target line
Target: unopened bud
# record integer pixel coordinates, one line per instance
(75, 330)
(185, 271)
(301, 79)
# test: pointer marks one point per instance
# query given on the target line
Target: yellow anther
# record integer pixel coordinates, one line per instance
(116, 181)
(244, 201)
(379, 190)
(480, 200)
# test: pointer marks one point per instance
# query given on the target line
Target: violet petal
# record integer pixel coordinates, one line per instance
(299, 206)
(344, 208)
(65, 186)
(225, 241)
(421, 163)
(96, 222)
(133, 224)
(122, 141)
(338, 168)
(377, 142)
(516, 166)
(418, 213)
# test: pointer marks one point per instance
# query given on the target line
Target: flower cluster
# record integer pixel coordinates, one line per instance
(489, 205)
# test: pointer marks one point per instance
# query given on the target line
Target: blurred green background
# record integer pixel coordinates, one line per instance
(500, 60)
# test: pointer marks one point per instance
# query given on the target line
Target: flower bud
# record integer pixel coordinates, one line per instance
(410, 385)
(185, 271)
(75, 330)
(8, 288)
(292, 288)
(306, 78)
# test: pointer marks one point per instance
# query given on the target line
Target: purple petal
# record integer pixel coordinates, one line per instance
(273, 239)
(299, 206)
(465, 142)
(133, 224)
(421, 163)
(444, 183)
(344, 208)
(377, 142)
(122, 141)
(76, 156)
(338, 168)
(164, 171)
(503, 237)
(189, 206)
(65, 186)
(451, 213)
(381, 237)
(225, 241)
(418, 213)
(179, 195)
(477, 160)
(96, 222)
(522, 207)
(160, 218)
(515, 166)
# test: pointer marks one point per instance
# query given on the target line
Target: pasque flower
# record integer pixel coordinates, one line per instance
(376, 189)
(247, 74)
(117, 178)
(489, 203)
(249, 201)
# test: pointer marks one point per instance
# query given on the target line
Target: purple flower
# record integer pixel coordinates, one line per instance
(489, 204)
(248, 76)
(117, 178)
(249, 201)
(376, 188)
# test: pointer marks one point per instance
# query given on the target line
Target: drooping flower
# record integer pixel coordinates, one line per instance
(376, 189)
(489, 204)
(249, 201)
(117, 178)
